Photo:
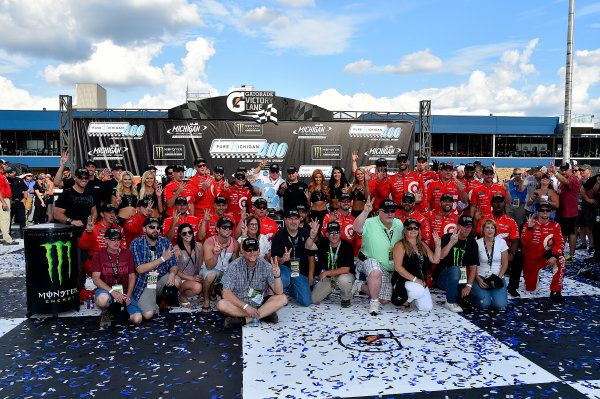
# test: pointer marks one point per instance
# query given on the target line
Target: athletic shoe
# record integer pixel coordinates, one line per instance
(453, 307)
(234, 322)
(374, 307)
(345, 303)
(272, 318)
(356, 286)
(585, 272)
(556, 297)
(513, 293)
(105, 320)
(590, 250)
(570, 258)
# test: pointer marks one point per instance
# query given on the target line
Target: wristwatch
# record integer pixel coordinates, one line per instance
(69, 220)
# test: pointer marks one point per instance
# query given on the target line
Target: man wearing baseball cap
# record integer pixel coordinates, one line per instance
(446, 185)
(421, 168)
(443, 220)
(379, 185)
(568, 195)
(268, 182)
(543, 246)
(18, 189)
(292, 190)
(407, 181)
(107, 186)
(210, 218)
(245, 288)
(134, 226)
(238, 196)
(202, 186)
(268, 227)
(336, 262)
(343, 216)
(379, 235)
(407, 210)
(178, 188)
(180, 216)
(5, 197)
(482, 195)
(457, 269)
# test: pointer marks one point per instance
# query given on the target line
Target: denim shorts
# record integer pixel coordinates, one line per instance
(132, 308)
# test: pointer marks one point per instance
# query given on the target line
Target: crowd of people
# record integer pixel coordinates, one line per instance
(388, 236)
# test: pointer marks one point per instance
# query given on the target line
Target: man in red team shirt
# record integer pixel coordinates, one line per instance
(238, 196)
(346, 222)
(180, 216)
(443, 220)
(543, 246)
(134, 226)
(92, 238)
(509, 231)
(407, 210)
(406, 181)
(446, 185)
(208, 225)
(201, 184)
(470, 184)
(379, 185)
(426, 175)
(177, 188)
(268, 227)
(481, 197)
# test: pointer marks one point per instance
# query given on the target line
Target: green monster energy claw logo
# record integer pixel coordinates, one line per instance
(59, 254)
(158, 151)
(459, 254)
(318, 151)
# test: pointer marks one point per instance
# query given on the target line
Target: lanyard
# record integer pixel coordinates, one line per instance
(222, 254)
(389, 235)
(249, 279)
(332, 257)
(195, 258)
(115, 269)
(490, 255)
(294, 244)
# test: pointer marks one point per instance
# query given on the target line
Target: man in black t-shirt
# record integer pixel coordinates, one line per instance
(336, 263)
(458, 265)
(593, 184)
(107, 186)
(18, 189)
(292, 190)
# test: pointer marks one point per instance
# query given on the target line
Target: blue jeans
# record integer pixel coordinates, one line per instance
(448, 281)
(300, 288)
(132, 308)
(482, 298)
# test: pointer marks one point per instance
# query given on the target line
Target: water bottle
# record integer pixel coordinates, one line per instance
(598, 215)
(253, 323)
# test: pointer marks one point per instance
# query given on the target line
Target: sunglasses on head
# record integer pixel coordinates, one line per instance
(187, 233)
(152, 227)
(411, 228)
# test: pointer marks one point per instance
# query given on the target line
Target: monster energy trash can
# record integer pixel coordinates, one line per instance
(51, 268)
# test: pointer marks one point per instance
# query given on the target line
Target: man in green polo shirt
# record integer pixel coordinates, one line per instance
(379, 234)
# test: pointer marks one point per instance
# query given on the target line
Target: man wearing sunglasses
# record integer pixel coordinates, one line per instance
(245, 288)
(269, 182)
(155, 267)
(180, 216)
(543, 246)
(74, 206)
(407, 210)
(177, 188)
(238, 196)
(442, 221)
(201, 184)
(481, 197)
(407, 181)
(208, 225)
(336, 262)
(379, 235)
(446, 185)
(516, 191)
(343, 216)
(268, 227)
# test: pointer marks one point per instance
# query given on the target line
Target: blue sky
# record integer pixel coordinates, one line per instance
(468, 57)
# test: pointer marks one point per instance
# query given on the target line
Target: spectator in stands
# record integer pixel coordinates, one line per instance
(18, 190)
(543, 246)
(28, 179)
(180, 216)
(336, 262)
(489, 286)
(412, 259)
(516, 192)
(455, 272)
(567, 211)
(152, 190)
(190, 256)
(5, 197)
(113, 273)
(245, 288)
(153, 253)
(317, 196)
(379, 235)
(292, 190)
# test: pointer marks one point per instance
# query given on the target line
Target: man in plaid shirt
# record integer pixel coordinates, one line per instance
(152, 253)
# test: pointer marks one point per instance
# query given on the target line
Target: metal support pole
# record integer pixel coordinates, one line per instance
(425, 129)
(568, 86)
(65, 114)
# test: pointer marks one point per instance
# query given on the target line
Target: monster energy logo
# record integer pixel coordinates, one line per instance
(159, 151)
(317, 151)
(59, 255)
(459, 254)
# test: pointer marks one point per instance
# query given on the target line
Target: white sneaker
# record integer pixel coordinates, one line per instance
(356, 287)
(374, 307)
(453, 307)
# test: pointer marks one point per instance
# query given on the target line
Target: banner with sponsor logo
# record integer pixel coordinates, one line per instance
(136, 143)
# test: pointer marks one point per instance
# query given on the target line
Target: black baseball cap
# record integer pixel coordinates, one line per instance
(488, 170)
(150, 167)
(544, 204)
(292, 213)
(220, 170)
(143, 202)
(301, 208)
(178, 168)
(274, 168)
(445, 197)
(421, 158)
(90, 162)
(113, 232)
(150, 221)
(223, 221)
(291, 169)
(381, 162)
(108, 207)
(260, 202)
(81, 172)
(250, 244)
(10, 169)
(408, 197)
(565, 166)
(402, 156)
(333, 226)
(465, 220)
(497, 197)
(199, 161)
(410, 221)
(469, 166)
(240, 173)
(181, 200)
(446, 165)
(118, 167)
(220, 200)
(345, 197)
(387, 204)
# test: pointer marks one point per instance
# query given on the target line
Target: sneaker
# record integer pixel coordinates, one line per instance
(590, 250)
(374, 307)
(453, 307)
(513, 293)
(105, 319)
(556, 297)
(345, 303)
(570, 258)
(272, 318)
(356, 287)
(13, 242)
(585, 272)
(234, 322)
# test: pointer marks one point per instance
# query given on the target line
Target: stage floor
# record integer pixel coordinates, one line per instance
(533, 349)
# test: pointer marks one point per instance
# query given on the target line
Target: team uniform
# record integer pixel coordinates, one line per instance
(94, 242)
(482, 196)
(347, 229)
(171, 189)
(238, 198)
(211, 225)
(507, 227)
(202, 199)
(440, 223)
(470, 186)
(437, 188)
(541, 242)
(134, 228)
(268, 227)
(410, 182)
(192, 220)
(425, 228)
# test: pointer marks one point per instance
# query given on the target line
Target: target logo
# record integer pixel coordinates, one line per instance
(449, 228)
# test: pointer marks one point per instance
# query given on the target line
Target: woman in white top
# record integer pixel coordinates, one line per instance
(251, 228)
(493, 262)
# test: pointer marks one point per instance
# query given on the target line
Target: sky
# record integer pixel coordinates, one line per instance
(469, 57)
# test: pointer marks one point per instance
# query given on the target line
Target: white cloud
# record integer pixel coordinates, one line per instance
(12, 97)
(65, 29)
(10, 63)
(587, 10)
(468, 58)
(296, 3)
(358, 67)
(419, 62)
(259, 16)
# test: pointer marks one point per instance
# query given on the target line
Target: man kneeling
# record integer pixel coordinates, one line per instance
(245, 288)
(113, 273)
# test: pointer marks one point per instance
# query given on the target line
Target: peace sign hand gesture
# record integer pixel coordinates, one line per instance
(286, 255)
(89, 227)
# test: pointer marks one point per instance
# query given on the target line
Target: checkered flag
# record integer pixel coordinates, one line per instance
(264, 115)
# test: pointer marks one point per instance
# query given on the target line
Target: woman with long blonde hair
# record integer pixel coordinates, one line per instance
(359, 192)
(152, 190)
(125, 197)
(317, 196)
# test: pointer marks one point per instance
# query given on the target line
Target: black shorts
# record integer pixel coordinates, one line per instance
(585, 219)
(567, 225)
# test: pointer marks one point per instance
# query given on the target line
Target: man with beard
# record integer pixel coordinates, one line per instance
(238, 196)
(481, 196)
(442, 221)
(208, 225)
(470, 184)
(134, 226)
(515, 190)
(177, 188)
(155, 267)
(180, 216)
(17, 201)
(201, 184)
(407, 210)
(379, 185)
(426, 175)
(406, 181)
(293, 191)
(345, 220)
(446, 185)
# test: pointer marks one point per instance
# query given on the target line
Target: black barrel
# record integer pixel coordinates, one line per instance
(51, 268)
